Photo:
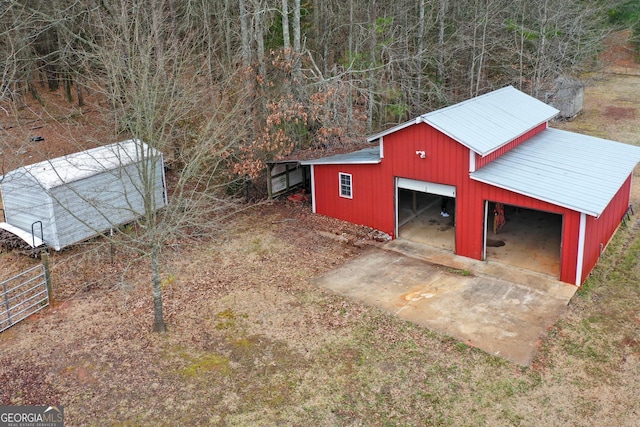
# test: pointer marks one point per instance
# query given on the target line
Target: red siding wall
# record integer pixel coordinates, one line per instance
(600, 230)
(447, 162)
(373, 195)
(481, 161)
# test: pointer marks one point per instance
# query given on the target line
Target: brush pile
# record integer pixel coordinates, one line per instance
(10, 242)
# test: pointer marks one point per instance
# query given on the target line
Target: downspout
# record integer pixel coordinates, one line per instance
(581, 240)
(313, 189)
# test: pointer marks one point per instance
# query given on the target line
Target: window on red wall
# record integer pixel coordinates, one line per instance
(345, 185)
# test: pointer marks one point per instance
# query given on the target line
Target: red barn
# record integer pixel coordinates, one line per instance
(493, 149)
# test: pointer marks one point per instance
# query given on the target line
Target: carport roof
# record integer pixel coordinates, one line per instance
(575, 171)
(370, 155)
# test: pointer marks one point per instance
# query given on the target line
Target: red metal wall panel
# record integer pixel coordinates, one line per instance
(600, 230)
(373, 202)
(373, 195)
(481, 161)
(447, 162)
(569, 255)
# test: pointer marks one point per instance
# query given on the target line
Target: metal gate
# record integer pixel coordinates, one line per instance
(23, 295)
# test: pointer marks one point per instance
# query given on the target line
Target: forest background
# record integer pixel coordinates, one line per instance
(286, 75)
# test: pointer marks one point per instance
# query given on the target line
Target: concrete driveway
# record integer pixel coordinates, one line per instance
(502, 310)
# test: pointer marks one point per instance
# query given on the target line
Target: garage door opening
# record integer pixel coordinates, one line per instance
(527, 238)
(419, 216)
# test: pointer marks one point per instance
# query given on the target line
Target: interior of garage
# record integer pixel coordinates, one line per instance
(528, 239)
(419, 219)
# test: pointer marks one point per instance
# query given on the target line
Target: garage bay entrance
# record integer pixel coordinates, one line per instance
(525, 238)
(419, 215)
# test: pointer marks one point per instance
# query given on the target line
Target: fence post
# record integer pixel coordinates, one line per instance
(47, 275)
(6, 302)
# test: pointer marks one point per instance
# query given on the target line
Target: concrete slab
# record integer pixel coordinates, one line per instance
(502, 310)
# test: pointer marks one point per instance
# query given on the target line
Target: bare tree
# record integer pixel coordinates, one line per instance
(286, 43)
(158, 95)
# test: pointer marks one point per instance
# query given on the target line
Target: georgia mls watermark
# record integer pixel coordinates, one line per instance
(31, 416)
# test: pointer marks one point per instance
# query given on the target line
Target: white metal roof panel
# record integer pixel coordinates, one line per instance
(73, 167)
(369, 155)
(576, 171)
(487, 122)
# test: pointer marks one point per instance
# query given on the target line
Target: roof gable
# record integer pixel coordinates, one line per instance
(579, 172)
(487, 122)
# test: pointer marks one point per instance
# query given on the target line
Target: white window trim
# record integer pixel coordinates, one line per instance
(340, 175)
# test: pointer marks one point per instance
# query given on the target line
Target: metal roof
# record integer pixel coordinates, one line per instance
(76, 166)
(369, 155)
(487, 122)
(576, 171)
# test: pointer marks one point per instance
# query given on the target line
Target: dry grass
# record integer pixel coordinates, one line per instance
(253, 342)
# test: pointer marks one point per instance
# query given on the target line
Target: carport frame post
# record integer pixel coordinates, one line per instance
(486, 230)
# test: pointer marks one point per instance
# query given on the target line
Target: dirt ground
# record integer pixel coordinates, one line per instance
(252, 342)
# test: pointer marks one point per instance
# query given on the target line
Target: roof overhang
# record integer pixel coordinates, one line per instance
(367, 156)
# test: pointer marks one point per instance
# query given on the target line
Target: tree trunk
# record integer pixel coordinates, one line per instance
(520, 40)
(156, 22)
(66, 81)
(297, 48)
(228, 34)
(286, 40)
(418, 97)
(158, 316)
(244, 34)
(442, 12)
(475, 89)
(541, 54)
(372, 55)
(79, 93)
(258, 22)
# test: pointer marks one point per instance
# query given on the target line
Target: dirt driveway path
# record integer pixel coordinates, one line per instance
(502, 310)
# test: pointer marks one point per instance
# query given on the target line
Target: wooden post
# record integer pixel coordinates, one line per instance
(269, 183)
(47, 275)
